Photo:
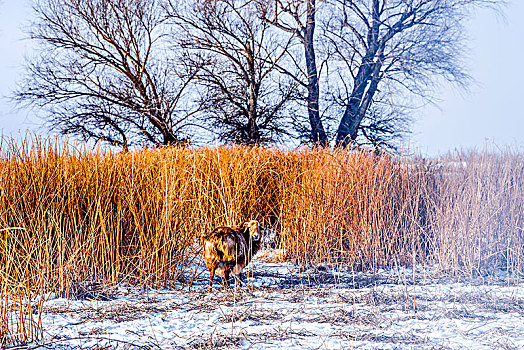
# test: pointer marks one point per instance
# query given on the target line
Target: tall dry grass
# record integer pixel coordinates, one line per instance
(69, 214)
(477, 212)
(357, 208)
(20, 316)
(464, 213)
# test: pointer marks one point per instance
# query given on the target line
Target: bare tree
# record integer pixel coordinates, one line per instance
(299, 18)
(104, 72)
(385, 48)
(244, 96)
(151, 71)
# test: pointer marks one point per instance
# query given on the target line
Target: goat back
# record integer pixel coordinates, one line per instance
(225, 244)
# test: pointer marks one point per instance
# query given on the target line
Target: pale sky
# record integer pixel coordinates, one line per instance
(491, 113)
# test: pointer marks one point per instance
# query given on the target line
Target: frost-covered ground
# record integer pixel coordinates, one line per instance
(281, 308)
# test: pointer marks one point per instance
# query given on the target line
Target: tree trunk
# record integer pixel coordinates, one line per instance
(348, 128)
(169, 139)
(254, 136)
(318, 135)
(365, 84)
(252, 110)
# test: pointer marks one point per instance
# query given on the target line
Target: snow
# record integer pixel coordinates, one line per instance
(281, 307)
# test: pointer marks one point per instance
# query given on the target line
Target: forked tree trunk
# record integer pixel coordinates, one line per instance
(318, 135)
(365, 84)
(253, 132)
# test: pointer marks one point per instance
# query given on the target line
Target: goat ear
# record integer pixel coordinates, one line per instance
(243, 225)
(254, 226)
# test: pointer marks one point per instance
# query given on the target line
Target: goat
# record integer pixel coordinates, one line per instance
(230, 249)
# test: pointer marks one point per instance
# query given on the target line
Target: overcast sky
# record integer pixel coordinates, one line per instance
(489, 114)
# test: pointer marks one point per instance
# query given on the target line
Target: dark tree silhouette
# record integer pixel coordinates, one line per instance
(242, 93)
(298, 17)
(387, 48)
(104, 72)
(155, 71)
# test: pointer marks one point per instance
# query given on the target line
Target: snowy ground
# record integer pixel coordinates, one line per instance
(286, 309)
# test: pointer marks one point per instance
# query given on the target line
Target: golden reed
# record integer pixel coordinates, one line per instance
(70, 214)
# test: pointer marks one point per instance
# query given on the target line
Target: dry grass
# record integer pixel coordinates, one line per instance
(354, 207)
(20, 315)
(477, 212)
(70, 215)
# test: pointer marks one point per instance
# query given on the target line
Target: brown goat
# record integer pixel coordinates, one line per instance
(228, 249)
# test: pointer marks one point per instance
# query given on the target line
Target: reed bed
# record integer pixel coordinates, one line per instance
(477, 212)
(70, 214)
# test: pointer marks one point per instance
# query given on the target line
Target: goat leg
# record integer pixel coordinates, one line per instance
(238, 279)
(211, 276)
(226, 279)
